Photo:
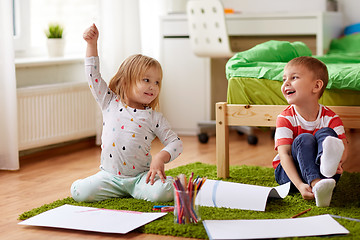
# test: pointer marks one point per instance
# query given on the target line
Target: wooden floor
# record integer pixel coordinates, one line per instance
(47, 176)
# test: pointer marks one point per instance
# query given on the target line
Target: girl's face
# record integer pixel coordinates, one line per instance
(145, 90)
(299, 85)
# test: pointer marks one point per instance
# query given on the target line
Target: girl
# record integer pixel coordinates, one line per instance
(130, 124)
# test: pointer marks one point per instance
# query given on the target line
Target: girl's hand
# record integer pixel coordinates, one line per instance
(91, 34)
(306, 191)
(157, 167)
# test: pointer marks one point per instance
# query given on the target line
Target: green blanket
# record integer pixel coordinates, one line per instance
(267, 61)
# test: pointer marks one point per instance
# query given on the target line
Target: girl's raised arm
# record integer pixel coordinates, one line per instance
(91, 36)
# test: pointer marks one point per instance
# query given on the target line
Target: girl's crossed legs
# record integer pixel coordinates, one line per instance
(104, 185)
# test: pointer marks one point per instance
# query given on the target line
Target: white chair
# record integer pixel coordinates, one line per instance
(207, 29)
(209, 38)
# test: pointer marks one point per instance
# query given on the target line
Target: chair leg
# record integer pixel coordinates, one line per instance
(206, 129)
(222, 141)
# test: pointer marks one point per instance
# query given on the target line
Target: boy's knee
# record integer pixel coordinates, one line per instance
(305, 139)
(326, 131)
(305, 136)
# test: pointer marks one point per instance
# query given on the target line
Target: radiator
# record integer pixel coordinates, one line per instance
(55, 113)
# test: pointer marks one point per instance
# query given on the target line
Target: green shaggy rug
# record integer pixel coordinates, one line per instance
(345, 202)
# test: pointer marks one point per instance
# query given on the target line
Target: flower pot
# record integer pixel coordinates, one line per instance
(56, 47)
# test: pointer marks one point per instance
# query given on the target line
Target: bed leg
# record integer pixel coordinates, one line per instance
(222, 141)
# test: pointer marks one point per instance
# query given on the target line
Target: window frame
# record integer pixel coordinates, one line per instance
(21, 24)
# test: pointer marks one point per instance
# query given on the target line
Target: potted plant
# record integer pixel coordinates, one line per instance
(55, 41)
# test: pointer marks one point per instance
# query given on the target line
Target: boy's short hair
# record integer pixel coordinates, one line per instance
(317, 67)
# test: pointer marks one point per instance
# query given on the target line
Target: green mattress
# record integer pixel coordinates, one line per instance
(255, 75)
(242, 90)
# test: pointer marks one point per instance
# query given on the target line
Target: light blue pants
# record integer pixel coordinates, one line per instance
(104, 185)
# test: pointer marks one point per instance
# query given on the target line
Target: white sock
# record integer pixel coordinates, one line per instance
(333, 149)
(323, 191)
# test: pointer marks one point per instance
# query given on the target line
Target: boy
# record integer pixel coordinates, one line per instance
(310, 138)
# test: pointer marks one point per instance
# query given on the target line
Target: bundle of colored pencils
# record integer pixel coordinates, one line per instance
(185, 195)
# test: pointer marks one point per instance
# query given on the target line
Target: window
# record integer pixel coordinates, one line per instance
(21, 24)
(74, 15)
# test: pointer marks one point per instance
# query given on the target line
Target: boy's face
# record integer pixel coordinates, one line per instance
(146, 89)
(299, 85)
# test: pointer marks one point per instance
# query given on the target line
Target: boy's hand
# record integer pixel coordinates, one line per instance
(306, 191)
(157, 167)
(340, 169)
(91, 34)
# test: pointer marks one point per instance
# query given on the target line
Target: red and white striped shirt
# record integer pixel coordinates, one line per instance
(290, 124)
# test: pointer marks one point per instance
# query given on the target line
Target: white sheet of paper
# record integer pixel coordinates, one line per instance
(237, 195)
(273, 228)
(92, 219)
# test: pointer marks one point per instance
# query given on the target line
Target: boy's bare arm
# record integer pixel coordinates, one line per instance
(287, 163)
(91, 36)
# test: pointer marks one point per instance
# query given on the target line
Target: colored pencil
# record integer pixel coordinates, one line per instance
(185, 194)
(301, 213)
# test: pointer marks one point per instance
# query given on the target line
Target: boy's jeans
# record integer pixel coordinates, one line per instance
(306, 151)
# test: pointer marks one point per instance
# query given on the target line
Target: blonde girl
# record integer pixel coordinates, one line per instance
(130, 124)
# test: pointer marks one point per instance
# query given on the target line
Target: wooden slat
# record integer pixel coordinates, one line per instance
(349, 115)
(253, 115)
(265, 115)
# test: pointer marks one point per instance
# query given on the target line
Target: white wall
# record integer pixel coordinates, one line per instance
(50, 74)
(350, 10)
(151, 10)
(271, 6)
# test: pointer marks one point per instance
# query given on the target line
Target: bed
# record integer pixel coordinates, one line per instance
(254, 97)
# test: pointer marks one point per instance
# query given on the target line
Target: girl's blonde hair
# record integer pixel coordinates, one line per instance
(131, 70)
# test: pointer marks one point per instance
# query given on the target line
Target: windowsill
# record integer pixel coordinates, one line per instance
(47, 61)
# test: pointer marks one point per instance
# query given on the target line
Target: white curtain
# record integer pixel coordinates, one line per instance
(119, 33)
(150, 14)
(119, 37)
(9, 155)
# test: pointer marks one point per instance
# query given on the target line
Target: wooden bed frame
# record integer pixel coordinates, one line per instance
(259, 116)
